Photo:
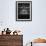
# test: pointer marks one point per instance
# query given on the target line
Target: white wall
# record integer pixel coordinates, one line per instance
(31, 30)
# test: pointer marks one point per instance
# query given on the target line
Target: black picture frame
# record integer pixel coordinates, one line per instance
(23, 10)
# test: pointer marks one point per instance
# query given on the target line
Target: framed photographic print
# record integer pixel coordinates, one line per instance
(23, 10)
(38, 44)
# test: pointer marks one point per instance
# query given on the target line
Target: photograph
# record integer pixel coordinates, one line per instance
(22, 22)
(23, 10)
